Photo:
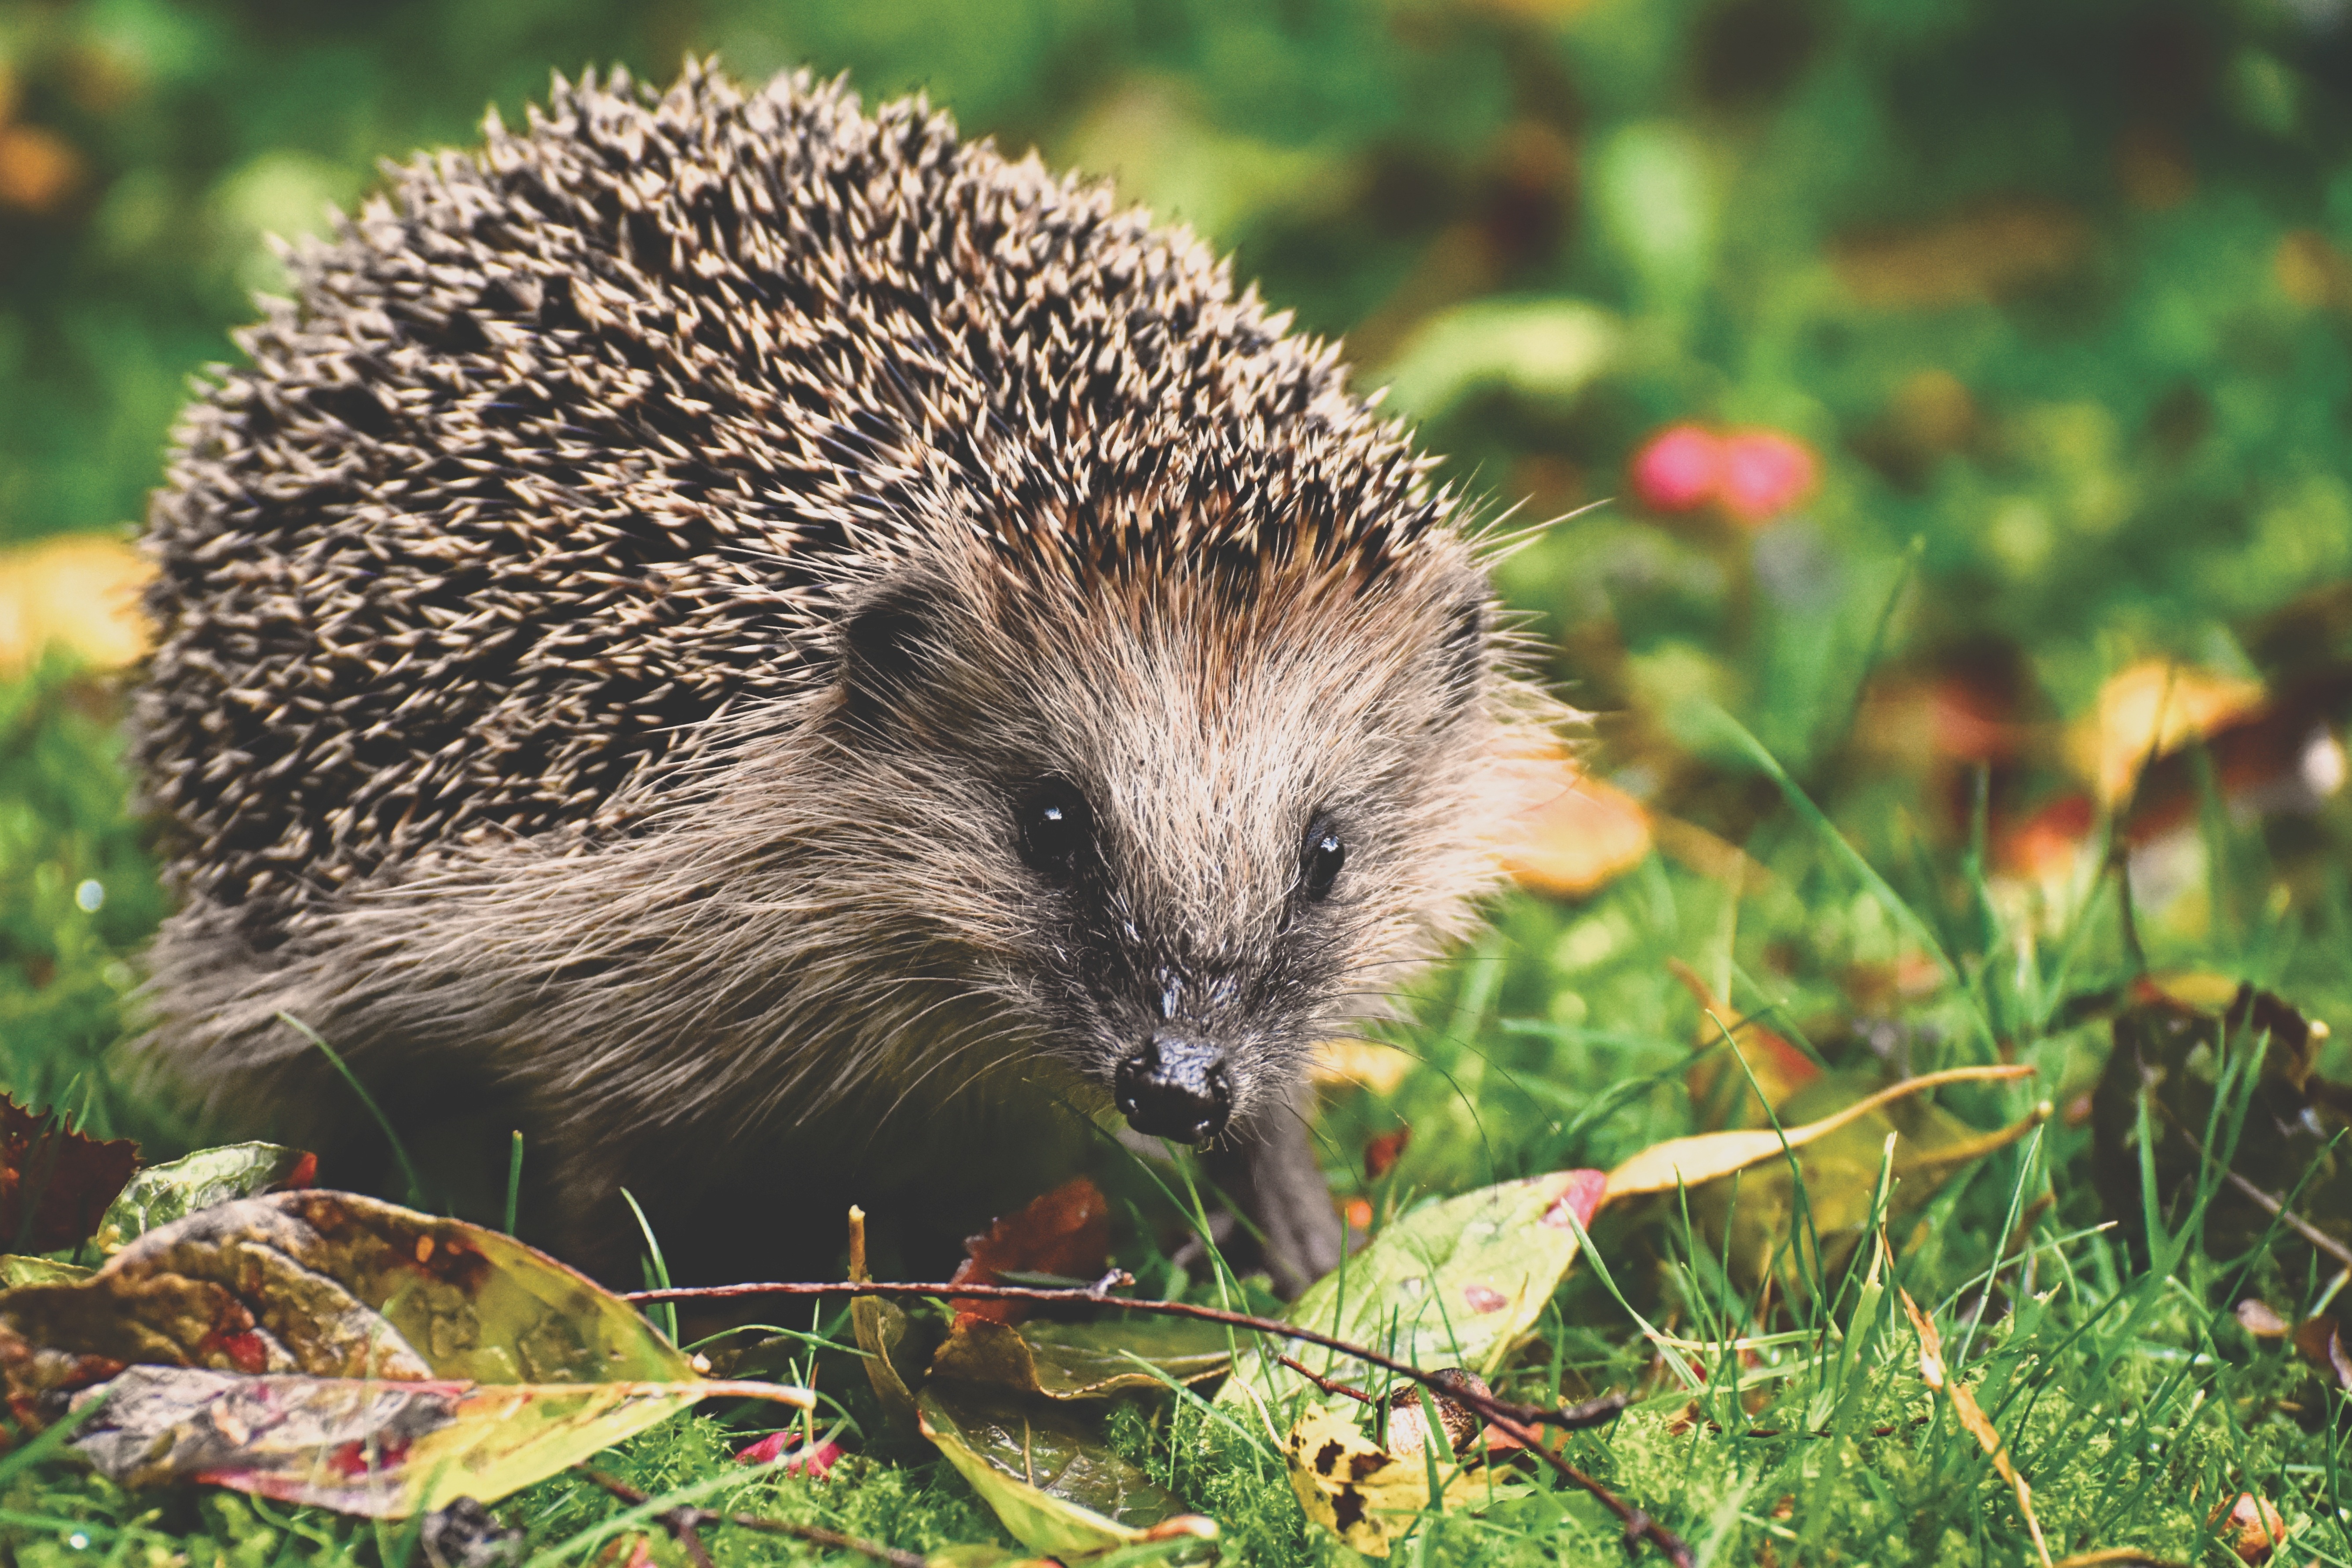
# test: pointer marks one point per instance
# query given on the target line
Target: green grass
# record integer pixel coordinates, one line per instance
(2127, 1392)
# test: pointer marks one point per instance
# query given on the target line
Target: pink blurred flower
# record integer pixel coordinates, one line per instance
(811, 1462)
(1679, 468)
(1765, 473)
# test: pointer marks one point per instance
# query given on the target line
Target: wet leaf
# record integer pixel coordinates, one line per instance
(1451, 1283)
(1065, 1232)
(1082, 1360)
(1048, 1470)
(55, 1183)
(1358, 1490)
(160, 1194)
(362, 1444)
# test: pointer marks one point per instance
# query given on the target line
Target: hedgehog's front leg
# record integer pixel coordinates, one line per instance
(1271, 1172)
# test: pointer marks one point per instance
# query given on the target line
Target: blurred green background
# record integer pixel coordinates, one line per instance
(2043, 308)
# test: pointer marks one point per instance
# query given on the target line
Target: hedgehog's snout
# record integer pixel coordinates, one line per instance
(1175, 1086)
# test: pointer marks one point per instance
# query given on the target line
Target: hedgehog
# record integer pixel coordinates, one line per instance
(790, 658)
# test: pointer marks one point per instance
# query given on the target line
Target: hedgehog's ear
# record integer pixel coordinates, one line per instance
(889, 649)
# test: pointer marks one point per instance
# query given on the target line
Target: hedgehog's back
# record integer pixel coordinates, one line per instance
(576, 445)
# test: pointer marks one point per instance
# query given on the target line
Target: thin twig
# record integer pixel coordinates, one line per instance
(685, 1524)
(1328, 1386)
(1516, 1421)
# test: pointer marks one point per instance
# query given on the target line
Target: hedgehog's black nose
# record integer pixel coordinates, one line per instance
(1175, 1087)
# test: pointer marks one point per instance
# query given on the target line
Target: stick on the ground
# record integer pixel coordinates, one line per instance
(1518, 1421)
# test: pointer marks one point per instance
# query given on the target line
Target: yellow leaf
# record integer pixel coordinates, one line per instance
(1570, 834)
(1702, 1157)
(2154, 707)
(1357, 1489)
(79, 591)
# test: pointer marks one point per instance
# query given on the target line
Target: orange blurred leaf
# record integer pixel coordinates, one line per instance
(1574, 834)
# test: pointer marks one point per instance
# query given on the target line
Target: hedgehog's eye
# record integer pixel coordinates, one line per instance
(1319, 862)
(1055, 827)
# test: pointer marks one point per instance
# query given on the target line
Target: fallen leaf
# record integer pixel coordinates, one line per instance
(38, 167)
(1065, 1232)
(2147, 709)
(812, 1460)
(54, 1184)
(1985, 253)
(1571, 834)
(1456, 1283)
(894, 1352)
(1083, 1360)
(2259, 1318)
(16, 1268)
(1357, 1489)
(1705, 1156)
(79, 591)
(1718, 1080)
(366, 1446)
(160, 1194)
(1363, 1064)
(1048, 1470)
(1382, 1152)
(2174, 1037)
(458, 1359)
(1408, 1413)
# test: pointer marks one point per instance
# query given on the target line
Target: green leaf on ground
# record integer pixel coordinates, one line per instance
(1048, 1471)
(1083, 1360)
(160, 1194)
(1454, 1283)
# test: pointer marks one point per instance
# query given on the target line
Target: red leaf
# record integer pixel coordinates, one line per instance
(1381, 1153)
(65, 1177)
(1065, 1232)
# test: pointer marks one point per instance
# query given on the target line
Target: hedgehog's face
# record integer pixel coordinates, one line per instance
(1178, 840)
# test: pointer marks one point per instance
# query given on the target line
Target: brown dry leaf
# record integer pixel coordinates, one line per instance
(1970, 1416)
(67, 1179)
(1705, 1156)
(1065, 1232)
(1574, 834)
(38, 167)
(80, 591)
(2147, 709)
(1983, 254)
